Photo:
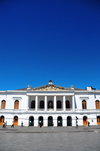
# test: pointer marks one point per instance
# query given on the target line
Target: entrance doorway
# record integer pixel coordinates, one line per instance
(85, 120)
(59, 121)
(1, 120)
(69, 121)
(15, 121)
(40, 121)
(31, 121)
(50, 121)
(98, 120)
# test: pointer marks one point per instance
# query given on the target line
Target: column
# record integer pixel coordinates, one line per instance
(55, 103)
(45, 102)
(64, 103)
(73, 103)
(36, 107)
(27, 103)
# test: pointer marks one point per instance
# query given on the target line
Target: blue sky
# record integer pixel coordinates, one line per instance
(49, 39)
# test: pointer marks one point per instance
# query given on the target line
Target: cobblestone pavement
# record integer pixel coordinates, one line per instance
(48, 139)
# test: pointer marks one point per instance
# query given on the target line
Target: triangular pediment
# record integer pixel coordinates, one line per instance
(50, 87)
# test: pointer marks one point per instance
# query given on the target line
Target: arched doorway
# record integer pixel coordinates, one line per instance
(85, 120)
(67, 104)
(98, 120)
(33, 104)
(15, 121)
(69, 121)
(1, 120)
(40, 121)
(31, 121)
(50, 105)
(59, 121)
(50, 121)
(41, 104)
(59, 104)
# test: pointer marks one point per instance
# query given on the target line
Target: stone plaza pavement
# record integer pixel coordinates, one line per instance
(48, 139)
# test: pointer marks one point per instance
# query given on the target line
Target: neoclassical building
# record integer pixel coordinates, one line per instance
(49, 104)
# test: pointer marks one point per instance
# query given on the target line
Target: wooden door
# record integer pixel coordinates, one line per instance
(98, 120)
(1, 120)
(85, 120)
(15, 121)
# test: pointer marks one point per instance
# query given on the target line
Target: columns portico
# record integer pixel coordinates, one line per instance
(54, 103)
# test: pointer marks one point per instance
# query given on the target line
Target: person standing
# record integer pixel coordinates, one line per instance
(76, 124)
(52, 125)
(3, 125)
(22, 124)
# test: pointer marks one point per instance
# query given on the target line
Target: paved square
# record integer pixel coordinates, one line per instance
(46, 139)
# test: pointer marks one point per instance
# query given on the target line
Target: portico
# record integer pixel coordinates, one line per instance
(49, 103)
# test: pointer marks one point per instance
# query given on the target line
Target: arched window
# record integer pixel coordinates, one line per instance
(97, 104)
(59, 104)
(3, 104)
(33, 104)
(42, 104)
(16, 106)
(84, 105)
(67, 104)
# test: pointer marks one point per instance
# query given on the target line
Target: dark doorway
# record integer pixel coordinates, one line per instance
(31, 121)
(40, 121)
(67, 104)
(59, 121)
(69, 121)
(50, 121)
(33, 104)
(41, 104)
(59, 104)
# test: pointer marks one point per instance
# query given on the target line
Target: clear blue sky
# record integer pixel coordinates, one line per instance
(49, 39)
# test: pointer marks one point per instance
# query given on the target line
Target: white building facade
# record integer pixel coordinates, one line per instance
(49, 104)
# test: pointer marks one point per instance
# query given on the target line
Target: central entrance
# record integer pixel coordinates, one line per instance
(50, 121)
